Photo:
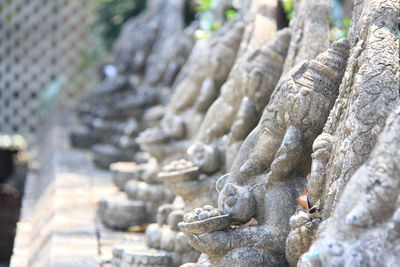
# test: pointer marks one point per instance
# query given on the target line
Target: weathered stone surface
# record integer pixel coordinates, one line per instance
(58, 224)
(364, 227)
(366, 96)
(122, 172)
(248, 87)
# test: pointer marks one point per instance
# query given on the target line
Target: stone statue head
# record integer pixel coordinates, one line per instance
(238, 201)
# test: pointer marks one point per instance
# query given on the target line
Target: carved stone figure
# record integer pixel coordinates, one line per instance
(210, 63)
(269, 170)
(244, 94)
(368, 92)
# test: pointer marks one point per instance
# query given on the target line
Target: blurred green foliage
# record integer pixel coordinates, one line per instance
(288, 6)
(339, 25)
(111, 15)
(208, 22)
(230, 14)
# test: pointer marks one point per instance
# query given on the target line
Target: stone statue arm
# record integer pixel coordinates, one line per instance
(185, 94)
(322, 148)
(208, 93)
(220, 242)
(246, 119)
(288, 155)
(217, 122)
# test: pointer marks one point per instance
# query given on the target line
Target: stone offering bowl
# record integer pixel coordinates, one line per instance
(202, 220)
(179, 171)
(207, 225)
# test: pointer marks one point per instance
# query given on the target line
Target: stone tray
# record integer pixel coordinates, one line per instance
(207, 225)
(188, 174)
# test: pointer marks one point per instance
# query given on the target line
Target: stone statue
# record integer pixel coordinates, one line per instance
(366, 96)
(232, 115)
(128, 55)
(269, 171)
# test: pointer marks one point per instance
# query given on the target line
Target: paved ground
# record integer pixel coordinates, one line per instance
(58, 225)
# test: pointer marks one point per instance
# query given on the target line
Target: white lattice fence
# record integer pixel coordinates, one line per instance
(42, 53)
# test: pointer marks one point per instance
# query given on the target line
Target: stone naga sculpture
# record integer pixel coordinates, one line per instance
(209, 66)
(368, 92)
(268, 172)
(364, 229)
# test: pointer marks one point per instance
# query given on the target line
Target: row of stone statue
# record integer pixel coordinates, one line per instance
(286, 134)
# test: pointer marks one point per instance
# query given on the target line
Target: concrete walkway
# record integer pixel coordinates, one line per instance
(58, 225)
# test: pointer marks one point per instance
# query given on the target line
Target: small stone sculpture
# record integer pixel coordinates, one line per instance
(247, 89)
(268, 172)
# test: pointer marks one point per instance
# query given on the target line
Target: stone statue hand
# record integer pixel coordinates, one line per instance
(212, 243)
(302, 235)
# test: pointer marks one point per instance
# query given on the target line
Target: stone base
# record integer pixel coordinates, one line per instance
(83, 138)
(122, 172)
(121, 214)
(134, 256)
(104, 155)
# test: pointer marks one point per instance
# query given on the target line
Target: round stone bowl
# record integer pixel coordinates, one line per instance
(207, 225)
(182, 175)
